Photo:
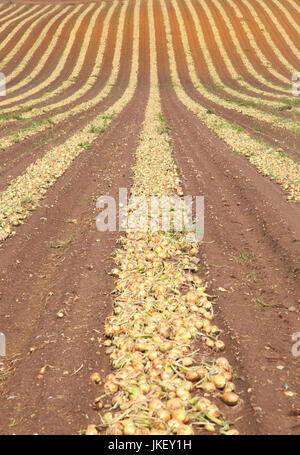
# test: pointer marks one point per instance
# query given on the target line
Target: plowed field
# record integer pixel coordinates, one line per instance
(141, 331)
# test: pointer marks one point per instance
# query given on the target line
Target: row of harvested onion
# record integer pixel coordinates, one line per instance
(161, 383)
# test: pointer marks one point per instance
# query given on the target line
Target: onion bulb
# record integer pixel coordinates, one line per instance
(223, 362)
(174, 403)
(208, 387)
(187, 361)
(91, 430)
(185, 430)
(180, 415)
(219, 345)
(182, 393)
(231, 432)
(209, 343)
(230, 398)
(219, 381)
(95, 377)
(155, 404)
(209, 427)
(230, 387)
(128, 427)
(111, 387)
(163, 414)
(192, 375)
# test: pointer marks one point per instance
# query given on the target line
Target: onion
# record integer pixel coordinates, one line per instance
(202, 372)
(171, 394)
(116, 429)
(227, 375)
(109, 332)
(194, 308)
(193, 330)
(95, 377)
(158, 393)
(187, 361)
(185, 350)
(164, 347)
(207, 305)
(163, 414)
(206, 323)
(185, 430)
(188, 385)
(230, 387)
(208, 329)
(177, 381)
(128, 427)
(116, 400)
(98, 403)
(157, 339)
(230, 398)
(155, 404)
(152, 355)
(232, 432)
(140, 346)
(209, 427)
(173, 424)
(111, 387)
(199, 324)
(143, 378)
(150, 330)
(145, 387)
(165, 375)
(108, 417)
(192, 375)
(208, 387)
(219, 345)
(174, 403)
(178, 322)
(215, 329)
(209, 343)
(183, 334)
(91, 430)
(180, 415)
(158, 363)
(153, 373)
(123, 383)
(165, 331)
(219, 381)
(142, 431)
(202, 404)
(192, 297)
(213, 411)
(182, 393)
